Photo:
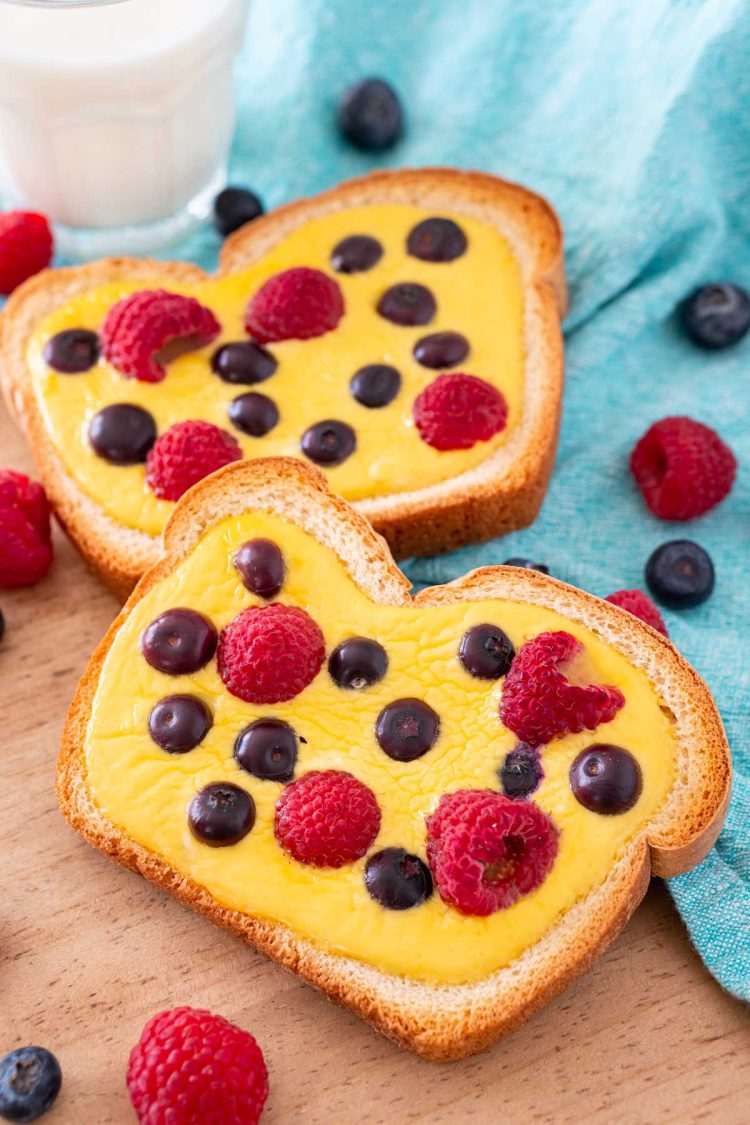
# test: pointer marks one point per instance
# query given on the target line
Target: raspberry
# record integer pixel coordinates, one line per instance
(269, 654)
(25, 247)
(25, 536)
(186, 453)
(682, 468)
(456, 411)
(640, 605)
(327, 818)
(137, 328)
(486, 851)
(296, 304)
(191, 1066)
(539, 703)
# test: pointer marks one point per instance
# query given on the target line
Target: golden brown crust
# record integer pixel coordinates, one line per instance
(503, 493)
(438, 1022)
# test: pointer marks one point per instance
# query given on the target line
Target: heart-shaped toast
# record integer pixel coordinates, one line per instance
(436, 809)
(400, 331)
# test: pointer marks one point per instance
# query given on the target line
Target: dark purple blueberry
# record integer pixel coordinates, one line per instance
(527, 564)
(680, 574)
(329, 442)
(370, 115)
(398, 880)
(122, 433)
(406, 729)
(358, 663)
(267, 749)
(243, 362)
(486, 652)
(442, 349)
(235, 206)
(521, 771)
(357, 253)
(253, 414)
(72, 351)
(408, 304)
(606, 779)
(436, 240)
(179, 723)
(30, 1080)
(716, 316)
(179, 641)
(261, 566)
(375, 385)
(221, 814)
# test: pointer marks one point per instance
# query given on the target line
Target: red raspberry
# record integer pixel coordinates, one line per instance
(25, 247)
(456, 411)
(539, 703)
(270, 653)
(326, 818)
(486, 851)
(296, 304)
(186, 453)
(190, 1066)
(682, 468)
(137, 328)
(25, 536)
(640, 606)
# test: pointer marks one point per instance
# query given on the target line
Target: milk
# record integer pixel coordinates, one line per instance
(116, 114)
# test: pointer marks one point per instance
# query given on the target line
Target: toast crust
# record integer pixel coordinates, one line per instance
(501, 494)
(439, 1022)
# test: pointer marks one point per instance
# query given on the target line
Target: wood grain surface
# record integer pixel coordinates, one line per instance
(88, 952)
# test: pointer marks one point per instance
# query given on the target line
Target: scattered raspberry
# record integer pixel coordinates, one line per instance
(270, 653)
(327, 818)
(190, 1066)
(486, 851)
(25, 247)
(25, 535)
(137, 328)
(640, 605)
(539, 703)
(296, 304)
(682, 468)
(456, 411)
(186, 453)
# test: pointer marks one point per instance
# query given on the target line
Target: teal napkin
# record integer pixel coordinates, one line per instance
(633, 117)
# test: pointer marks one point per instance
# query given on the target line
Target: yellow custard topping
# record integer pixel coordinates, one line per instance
(478, 294)
(145, 791)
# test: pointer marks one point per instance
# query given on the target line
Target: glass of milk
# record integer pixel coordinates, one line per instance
(116, 116)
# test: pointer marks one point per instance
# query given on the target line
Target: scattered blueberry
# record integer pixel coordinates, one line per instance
(436, 240)
(243, 361)
(122, 433)
(527, 564)
(357, 253)
(267, 749)
(606, 779)
(233, 207)
(30, 1080)
(358, 663)
(375, 385)
(407, 304)
(72, 351)
(680, 574)
(521, 772)
(179, 723)
(398, 880)
(407, 729)
(329, 442)
(716, 316)
(486, 652)
(179, 642)
(442, 349)
(260, 564)
(370, 115)
(221, 814)
(254, 414)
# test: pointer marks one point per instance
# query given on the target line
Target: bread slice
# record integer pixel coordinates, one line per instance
(503, 492)
(439, 1021)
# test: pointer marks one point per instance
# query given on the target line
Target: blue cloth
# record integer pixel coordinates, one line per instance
(633, 117)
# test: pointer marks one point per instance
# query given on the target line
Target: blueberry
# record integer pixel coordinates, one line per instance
(486, 652)
(235, 206)
(179, 642)
(260, 564)
(358, 663)
(221, 814)
(407, 729)
(122, 433)
(375, 385)
(521, 771)
(254, 414)
(441, 349)
(606, 779)
(329, 442)
(243, 361)
(716, 316)
(30, 1080)
(179, 723)
(436, 240)
(408, 304)
(370, 115)
(357, 253)
(527, 564)
(72, 351)
(267, 749)
(680, 574)
(398, 880)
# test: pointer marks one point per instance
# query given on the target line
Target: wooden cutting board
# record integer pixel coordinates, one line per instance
(88, 952)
